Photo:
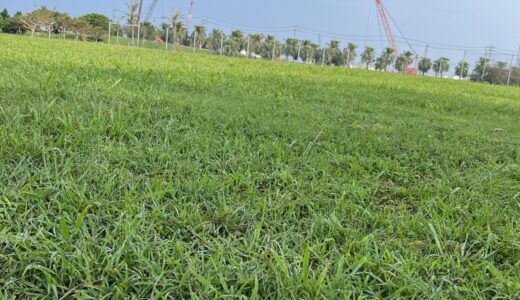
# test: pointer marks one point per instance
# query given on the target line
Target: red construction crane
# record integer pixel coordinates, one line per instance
(386, 25)
(391, 39)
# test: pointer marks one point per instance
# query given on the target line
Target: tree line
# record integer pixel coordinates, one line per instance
(89, 27)
(94, 27)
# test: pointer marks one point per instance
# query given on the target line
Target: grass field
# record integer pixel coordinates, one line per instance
(133, 173)
(124, 41)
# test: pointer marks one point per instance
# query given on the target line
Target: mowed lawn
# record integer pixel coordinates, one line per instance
(132, 173)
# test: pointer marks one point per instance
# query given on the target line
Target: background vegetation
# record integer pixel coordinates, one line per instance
(95, 27)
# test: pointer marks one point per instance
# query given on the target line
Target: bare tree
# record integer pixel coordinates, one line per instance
(41, 17)
(63, 23)
(81, 28)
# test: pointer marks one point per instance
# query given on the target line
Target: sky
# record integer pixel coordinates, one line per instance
(470, 24)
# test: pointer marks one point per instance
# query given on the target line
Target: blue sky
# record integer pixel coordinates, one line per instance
(469, 23)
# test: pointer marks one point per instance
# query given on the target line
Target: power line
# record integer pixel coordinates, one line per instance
(357, 38)
(399, 29)
(350, 37)
(518, 57)
(380, 33)
(246, 29)
(247, 26)
(368, 18)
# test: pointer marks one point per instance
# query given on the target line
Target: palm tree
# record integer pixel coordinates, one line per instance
(215, 38)
(177, 27)
(269, 47)
(441, 66)
(334, 44)
(148, 30)
(335, 54)
(308, 51)
(291, 48)
(403, 61)
(425, 64)
(255, 43)
(380, 64)
(349, 54)
(481, 69)
(462, 69)
(498, 73)
(385, 60)
(238, 37)
(234, 43)
(132, 16)
(200, 36)
(367, 57)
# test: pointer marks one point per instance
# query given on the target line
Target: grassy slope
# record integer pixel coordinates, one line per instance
(141, 172)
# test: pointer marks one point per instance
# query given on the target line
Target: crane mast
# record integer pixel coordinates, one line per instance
(139, 13)
(190, 14)
(150, 10)
(386, 25)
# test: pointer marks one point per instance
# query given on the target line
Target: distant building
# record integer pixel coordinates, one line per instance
(254, 55)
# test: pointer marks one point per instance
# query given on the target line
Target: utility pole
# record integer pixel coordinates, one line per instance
(348, 58)
(248, 40)
(138, 33)
(109, 32)
(323, 58)
(295, 30)
(463, 66)
(221, 43)
(490, 54)
(167, 36)
(518, 57)
(194, 40)
(274, 49)
(139, 21)
(485, 64)
(510, 70)
(299, 50)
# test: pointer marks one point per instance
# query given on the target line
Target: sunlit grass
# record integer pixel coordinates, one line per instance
(141, 173)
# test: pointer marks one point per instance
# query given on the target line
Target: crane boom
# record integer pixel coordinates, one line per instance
(150, 10)
(139, 13)
(190, 14)
(386, 25)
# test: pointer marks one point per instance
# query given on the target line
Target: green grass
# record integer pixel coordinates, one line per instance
(133, 173)
(127, 42)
